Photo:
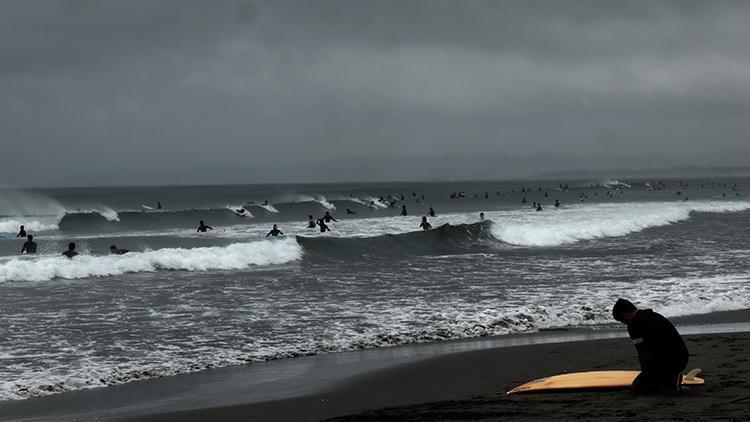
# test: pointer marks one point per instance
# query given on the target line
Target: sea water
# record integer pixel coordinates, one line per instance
(183, 301)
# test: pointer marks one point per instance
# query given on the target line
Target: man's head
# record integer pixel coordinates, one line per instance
(29, 238)
(113, 248)
(71, 246)
(624, 311)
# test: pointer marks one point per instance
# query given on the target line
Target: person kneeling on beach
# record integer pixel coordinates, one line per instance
(661, 351)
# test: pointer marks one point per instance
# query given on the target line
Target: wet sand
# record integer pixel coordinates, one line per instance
(472, 385)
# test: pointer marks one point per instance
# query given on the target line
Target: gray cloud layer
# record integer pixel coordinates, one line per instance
(115, 92)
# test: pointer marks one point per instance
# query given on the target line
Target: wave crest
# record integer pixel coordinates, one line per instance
(594, 222)
(237, 256)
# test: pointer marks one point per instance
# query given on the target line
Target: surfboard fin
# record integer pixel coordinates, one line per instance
(690, 376)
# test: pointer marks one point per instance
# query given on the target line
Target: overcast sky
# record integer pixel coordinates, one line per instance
(99, 92)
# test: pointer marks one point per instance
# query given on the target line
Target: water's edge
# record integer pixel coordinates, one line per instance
(287, 378)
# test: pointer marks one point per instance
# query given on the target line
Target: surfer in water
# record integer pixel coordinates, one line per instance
(29, 246)
(350, 212)
(481, 216)
(403, 210)
(661, 352)
(311, 222)
(328, 217)
(432, 212)
(21, 232)
(115, 251)
(71, 252)
(425, 225)
(323, 227)
(275, 231)
(202, 228)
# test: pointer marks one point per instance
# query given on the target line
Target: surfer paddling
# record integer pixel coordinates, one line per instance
(661, 351)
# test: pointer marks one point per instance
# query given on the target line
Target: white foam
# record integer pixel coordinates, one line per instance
(320, 199)
(588, 222)
(233, 257)
(375, 202)
(108, 213)
(31, 224)
(240, 210)
(614, 184)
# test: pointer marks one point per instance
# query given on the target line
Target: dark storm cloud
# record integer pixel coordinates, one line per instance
(100, 92)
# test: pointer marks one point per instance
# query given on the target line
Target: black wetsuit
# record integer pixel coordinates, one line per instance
(661, 351)
(120, 251)
(29, 246)
(311, 224)
(328, 218)
(70, 254)
(425, 225)
(323, 226)
(203, 227)
(21, 233)
(274, 233)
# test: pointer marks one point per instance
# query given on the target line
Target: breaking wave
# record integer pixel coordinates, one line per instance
(599, 221)
(238, 256)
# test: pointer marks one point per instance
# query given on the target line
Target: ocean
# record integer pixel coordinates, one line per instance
(183, 301)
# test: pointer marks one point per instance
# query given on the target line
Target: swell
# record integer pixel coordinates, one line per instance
(96, 221)
(446, 239)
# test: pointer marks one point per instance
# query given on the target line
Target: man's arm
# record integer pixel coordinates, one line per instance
(644, 354)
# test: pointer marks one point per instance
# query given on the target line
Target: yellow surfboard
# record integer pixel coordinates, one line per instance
(593, 380)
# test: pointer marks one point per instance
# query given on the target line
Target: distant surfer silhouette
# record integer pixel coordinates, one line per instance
(21, 232)
(203, 227)
(115, 251)
(661, 351)
(311, 222)
(403, 210)
(425, 225)
(71, 252)
(328, 217)
(275, 231)
(349, 212)
(481, 216)
(432, 212)
(29, 246)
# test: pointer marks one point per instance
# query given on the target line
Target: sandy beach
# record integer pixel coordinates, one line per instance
(472, 385)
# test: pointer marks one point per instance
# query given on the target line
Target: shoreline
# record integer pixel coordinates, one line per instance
(472, 385)
(291, 379)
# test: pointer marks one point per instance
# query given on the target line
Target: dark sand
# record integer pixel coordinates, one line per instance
(472, 385)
